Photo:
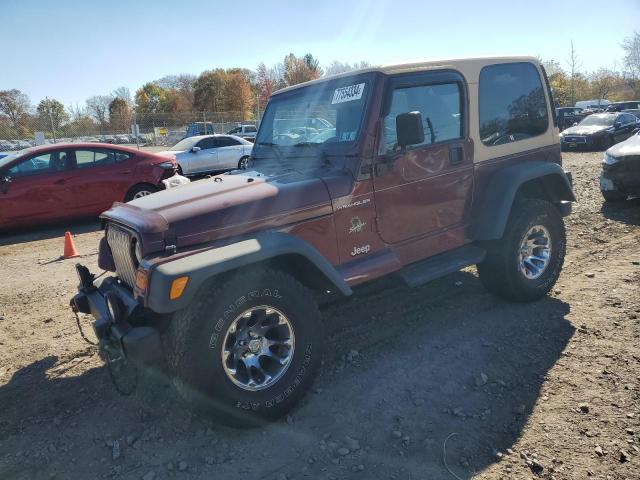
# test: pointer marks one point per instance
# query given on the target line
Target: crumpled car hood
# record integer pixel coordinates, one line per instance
(222, 206)
(630, 147)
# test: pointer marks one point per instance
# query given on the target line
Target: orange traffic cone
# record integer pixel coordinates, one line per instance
(69, 248)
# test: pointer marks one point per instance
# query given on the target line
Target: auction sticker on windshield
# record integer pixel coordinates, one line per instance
(348, 94)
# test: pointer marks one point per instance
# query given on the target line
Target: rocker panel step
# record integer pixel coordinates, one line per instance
(438, 266)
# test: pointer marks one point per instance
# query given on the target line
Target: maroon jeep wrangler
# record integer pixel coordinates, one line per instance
(412, 170)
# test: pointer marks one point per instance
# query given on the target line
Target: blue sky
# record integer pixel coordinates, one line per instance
(73, 49)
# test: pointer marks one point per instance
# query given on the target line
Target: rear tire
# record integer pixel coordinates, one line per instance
(204, 353)
(526, 262)
(243, 163)
(613, 196)
(139, 191)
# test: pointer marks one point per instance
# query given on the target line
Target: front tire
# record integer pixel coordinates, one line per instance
(526, 262)
(139, 191)
(246, 351)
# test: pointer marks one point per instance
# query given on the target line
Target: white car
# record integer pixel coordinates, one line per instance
(248, 132)
(207, 153)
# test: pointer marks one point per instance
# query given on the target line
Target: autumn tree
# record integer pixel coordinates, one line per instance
(123, 93)
(299, 69)
(208, 91)
(119, 114)
(603, 81)
(51, 112)
(238, 96)
(180, 90)
(150, 98)
(15, 105)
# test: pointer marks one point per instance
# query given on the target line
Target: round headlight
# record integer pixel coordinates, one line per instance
(137, 250)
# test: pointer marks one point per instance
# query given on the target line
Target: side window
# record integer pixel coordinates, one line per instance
(439, 105)
(207, 143)
(226, 142)
(122, 156)
(40, 164)
(235, 130)
(88, 158)
(512, 103)
(251, 129)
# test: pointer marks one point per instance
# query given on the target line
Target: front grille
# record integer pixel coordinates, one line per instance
(573, 139)
(120, 244)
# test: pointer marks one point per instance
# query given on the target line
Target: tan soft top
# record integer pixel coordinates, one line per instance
(468, 67)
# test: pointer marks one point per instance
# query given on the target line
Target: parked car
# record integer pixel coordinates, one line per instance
(6, 145)
(209, 153)
(633, 111)
(432, 167)
(63, 181)
(600, 131)
(567, 116)
(620, 177)
(620, 106)
(248, 132)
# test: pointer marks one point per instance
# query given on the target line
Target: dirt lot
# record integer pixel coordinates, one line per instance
(547, 390)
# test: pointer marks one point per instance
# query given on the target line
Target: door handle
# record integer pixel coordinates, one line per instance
(125, 171)
(456, 155)
(62, 181)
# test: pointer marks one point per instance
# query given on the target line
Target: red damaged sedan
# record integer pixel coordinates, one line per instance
(62, 181)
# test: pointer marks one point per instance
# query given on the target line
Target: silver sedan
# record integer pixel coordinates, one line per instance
(207, 153)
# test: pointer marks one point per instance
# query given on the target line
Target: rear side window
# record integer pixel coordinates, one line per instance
(207, 143)
(226, 142)
(251, 129)
(88, 158)
(512, 103)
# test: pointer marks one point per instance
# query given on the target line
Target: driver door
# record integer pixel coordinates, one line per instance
(425, 189)
(39, 190)
(206, 159)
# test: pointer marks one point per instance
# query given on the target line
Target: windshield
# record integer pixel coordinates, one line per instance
(328, 112)
(598, 120)
(185, 144)
(10, 158)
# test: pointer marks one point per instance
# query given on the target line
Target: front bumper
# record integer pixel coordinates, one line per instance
(118, 319)
(620, 179)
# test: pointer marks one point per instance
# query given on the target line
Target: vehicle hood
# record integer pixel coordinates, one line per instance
(585, 130)
(630, 147)
(222, 206)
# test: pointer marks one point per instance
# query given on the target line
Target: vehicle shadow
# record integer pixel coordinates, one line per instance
(624, 212)
(404, 369)
(44, 232)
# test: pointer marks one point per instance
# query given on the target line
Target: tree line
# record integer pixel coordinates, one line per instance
(245, 92)
(239, 90)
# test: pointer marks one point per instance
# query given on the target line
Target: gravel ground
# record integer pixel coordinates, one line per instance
(442, 381)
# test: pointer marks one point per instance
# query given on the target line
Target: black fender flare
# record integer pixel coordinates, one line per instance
(202, 266)
(501, 193)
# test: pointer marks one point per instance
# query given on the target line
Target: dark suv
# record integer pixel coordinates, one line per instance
(416, 171)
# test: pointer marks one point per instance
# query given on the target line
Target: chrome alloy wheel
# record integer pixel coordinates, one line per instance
(535, 252)
(258, 348)
(141, 193)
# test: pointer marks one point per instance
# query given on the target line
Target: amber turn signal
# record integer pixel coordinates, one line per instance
(141, 280)
(177, 287)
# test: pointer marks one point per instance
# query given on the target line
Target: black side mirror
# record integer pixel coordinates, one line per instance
(4, 184)
(409, 129)
(617, 124)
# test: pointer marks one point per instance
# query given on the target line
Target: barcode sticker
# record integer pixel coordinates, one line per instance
(348, 94)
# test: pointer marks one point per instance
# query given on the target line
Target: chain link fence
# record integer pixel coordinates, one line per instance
(150, 129)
